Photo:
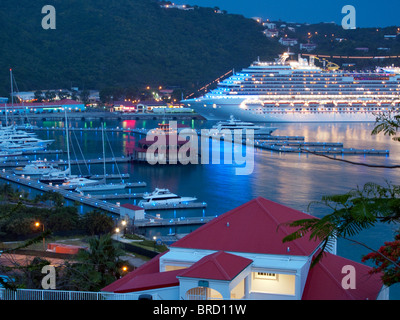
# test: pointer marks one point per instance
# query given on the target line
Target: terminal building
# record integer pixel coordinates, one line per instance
(42, 107)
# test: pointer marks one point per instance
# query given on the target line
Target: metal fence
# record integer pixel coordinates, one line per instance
(31, 294)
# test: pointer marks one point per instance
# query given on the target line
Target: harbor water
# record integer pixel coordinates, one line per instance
(291, 179)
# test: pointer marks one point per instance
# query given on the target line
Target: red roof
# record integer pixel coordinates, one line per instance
(39, 104)
(174, 141)
(217, 266)
(328, 274)
(150, 267)
(257, 226)
(131, 206)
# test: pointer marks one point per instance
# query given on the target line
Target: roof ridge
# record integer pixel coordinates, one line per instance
(216, 220)
(280, 225)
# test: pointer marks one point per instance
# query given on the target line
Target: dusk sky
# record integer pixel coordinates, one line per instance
(369, 13)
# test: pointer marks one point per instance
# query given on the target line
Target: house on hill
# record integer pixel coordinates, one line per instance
(240, 255)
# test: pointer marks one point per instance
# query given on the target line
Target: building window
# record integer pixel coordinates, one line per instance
(266, 276)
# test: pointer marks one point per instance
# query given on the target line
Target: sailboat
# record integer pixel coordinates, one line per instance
(102, 186)
(64, 178)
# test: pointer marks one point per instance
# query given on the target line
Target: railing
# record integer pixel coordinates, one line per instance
(31, 294)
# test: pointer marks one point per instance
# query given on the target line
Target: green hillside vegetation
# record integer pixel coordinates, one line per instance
(124, 43)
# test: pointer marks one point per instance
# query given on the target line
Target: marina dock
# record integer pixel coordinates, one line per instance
(158, 222)
(185, 205)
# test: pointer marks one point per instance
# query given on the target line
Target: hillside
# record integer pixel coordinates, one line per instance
(126, 43)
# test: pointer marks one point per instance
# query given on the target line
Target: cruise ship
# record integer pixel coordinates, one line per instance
(296, 90)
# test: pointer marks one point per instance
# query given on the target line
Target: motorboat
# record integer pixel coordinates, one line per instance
(55, 178)
(162, 196)
(75, 182)
(38, 167)
(235, 124)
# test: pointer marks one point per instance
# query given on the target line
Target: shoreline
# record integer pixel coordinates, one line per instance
(101, 115)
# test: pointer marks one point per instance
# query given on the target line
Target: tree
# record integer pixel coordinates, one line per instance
(96, 223)
(84, 96)
(358, 210)
(96, 267)
(38, 96)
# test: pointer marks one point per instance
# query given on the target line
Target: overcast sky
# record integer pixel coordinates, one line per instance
(369, 13)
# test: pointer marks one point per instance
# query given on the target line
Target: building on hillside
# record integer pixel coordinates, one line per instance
(269, 25)
(42, 107)
(289, 42)
(308, 46)
(271, 33)
(240, 255)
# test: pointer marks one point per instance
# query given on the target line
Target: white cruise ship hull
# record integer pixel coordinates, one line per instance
(222, 109)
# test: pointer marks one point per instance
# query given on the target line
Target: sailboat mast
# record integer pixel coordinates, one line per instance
(12, 95)
(104, 153)
(67, 139)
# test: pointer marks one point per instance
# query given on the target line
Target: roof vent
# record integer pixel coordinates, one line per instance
(227, 224)
(288, 249)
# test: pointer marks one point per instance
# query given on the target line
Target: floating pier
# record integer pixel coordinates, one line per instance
(15, 163)
(158, 222)
(323, 150)
(183, 205)
(118, 196)
(67, 194)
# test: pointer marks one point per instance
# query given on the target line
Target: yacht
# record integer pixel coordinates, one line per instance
(56, 177)
(235, 124)
(162, 196)
(75, 182)
(38, 167)
(12, 147)
(298, 90)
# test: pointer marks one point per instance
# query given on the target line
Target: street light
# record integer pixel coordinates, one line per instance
(37, 225)
(117, 231)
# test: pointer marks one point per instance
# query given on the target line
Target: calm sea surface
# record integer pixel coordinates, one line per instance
(291, 179)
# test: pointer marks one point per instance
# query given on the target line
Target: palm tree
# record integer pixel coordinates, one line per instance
(96, 267)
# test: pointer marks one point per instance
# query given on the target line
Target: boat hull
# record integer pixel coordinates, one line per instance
(222, 109)
(97, 188)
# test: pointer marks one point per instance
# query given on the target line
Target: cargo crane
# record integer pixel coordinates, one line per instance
(328, 65)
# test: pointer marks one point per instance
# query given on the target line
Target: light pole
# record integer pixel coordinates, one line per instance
(117, 231)
(37, 225)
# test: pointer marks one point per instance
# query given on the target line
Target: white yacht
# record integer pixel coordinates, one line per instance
(162, 196)
(38, 167)
(74, 182)
(235, 124)
(55, 178)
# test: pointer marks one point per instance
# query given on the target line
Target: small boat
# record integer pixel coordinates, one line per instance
(235, 124)
(38, 167)
(162, 196)
(74, 182)
(56, 178)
